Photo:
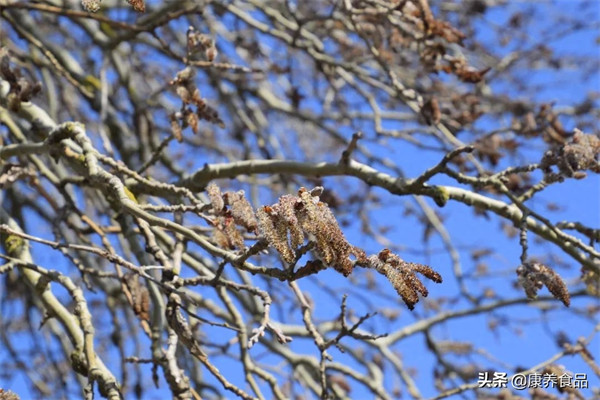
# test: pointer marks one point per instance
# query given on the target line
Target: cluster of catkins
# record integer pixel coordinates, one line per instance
(188, 92)
(231, 209)
(286, 225)
(533, 275)
(294, 220)
(403, 276)
(574, 157)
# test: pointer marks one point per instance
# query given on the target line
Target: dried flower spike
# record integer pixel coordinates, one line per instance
(292, 220)
(139, 296)
(231, 210)
(241, 210)
(572, 159)
(402, 275)
(274, 230)
(216, 198)
(198, 43)
(533, 275)
(286, 225)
